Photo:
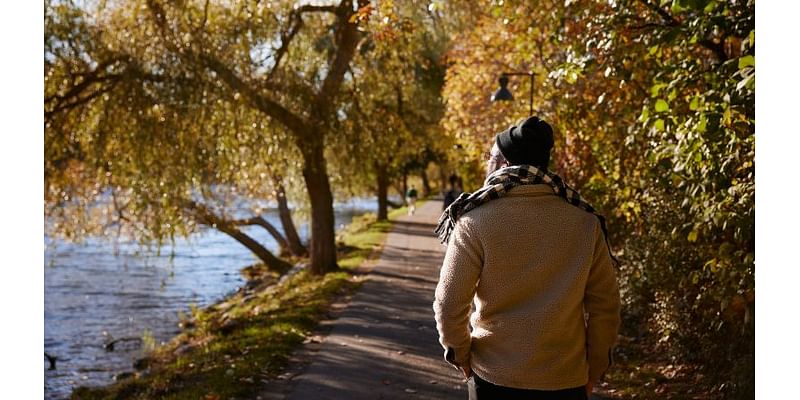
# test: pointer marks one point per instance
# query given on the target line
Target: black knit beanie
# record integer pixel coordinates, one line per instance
(528, 142)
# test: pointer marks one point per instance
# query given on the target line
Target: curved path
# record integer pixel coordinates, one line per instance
(384, 344)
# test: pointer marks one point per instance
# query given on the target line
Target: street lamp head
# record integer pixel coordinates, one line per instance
(503, 94)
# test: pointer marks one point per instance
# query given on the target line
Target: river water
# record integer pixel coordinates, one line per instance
(98, 290)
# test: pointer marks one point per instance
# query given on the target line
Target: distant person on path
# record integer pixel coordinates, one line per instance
(411, 199)
(534, 258)
(452, 194)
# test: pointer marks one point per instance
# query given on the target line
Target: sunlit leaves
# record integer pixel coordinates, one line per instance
(661, 106)
(654, 116)
(161, 131)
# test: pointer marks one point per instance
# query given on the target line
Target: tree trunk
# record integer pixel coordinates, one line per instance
(323, 241)
(383, 191)
(209, 218)
(273, 263)
(292, 238)
(426, 186)
(283, 245)
(405, 189)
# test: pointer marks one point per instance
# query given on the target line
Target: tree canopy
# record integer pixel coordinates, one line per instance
(161, 117)
(153, 110)
(654, 108)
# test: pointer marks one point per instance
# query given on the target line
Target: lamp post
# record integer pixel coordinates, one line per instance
(503, 94)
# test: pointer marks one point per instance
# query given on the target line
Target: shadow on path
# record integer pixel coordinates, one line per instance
(384, 345)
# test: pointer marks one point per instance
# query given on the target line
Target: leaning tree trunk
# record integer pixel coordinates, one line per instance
(323, 241)
(292, 238)
(209, 218)
(273, 263)
(383, 191)
(283, 245)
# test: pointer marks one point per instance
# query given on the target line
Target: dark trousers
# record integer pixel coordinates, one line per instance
(479, 389)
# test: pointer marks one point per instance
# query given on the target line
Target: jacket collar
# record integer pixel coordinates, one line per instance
(531, 190)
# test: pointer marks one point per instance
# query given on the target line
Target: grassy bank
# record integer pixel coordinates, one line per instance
(228, 349)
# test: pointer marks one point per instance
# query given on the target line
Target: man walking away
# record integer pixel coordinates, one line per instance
(534, 258)
(452, 194)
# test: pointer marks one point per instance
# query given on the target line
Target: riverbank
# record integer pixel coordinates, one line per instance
(226, 350)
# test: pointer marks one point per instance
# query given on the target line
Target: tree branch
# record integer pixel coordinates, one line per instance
(650, 25)
(207, 217)
(262, 103)
(667, 17)
(297, 23)
(205, 16)
(269, 107)
(79, 101)
(314, 8)
(347, 40)
(717, 48)
(260, 221)
(89, 78)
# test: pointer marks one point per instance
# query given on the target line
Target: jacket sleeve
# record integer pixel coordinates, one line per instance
(602, 304)
(458, 280)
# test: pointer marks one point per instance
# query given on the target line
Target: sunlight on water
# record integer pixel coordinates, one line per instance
(98, 290)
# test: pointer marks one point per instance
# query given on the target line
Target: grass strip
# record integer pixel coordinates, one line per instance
(230, 349)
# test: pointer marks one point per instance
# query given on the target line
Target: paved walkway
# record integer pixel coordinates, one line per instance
(384, 345)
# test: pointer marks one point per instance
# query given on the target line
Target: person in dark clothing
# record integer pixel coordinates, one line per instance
(452, 194)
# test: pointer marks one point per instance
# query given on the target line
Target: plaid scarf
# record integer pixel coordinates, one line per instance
(499, 183)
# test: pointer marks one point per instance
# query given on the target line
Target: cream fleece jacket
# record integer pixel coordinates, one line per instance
(547, 306)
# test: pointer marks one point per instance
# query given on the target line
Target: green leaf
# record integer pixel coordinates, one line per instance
(656, 89)
(672, 95)
(747, 61)
(645, 114)
(749, 82)
(572, 76)
(661, 105)
(701, 125)
(693, 235)
(677, 7)
(659, 124)
(694, 104)
(726, 116)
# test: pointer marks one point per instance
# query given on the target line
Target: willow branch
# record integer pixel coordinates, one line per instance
(228, 76)
(315, 8)
(260, 102)
(297, 23)
(348, 37)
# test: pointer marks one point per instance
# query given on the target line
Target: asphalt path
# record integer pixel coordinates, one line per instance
(383, 342)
